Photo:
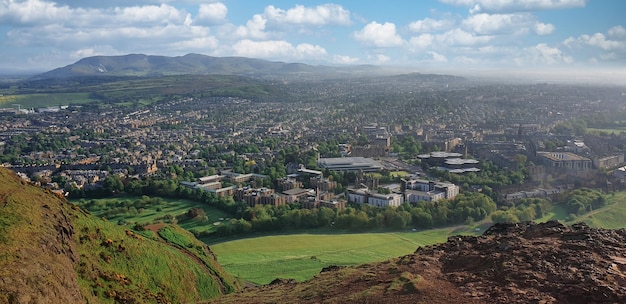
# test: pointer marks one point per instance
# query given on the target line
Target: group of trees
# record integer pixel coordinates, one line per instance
(22, 144)
(490, 175)
(465, 208)
(575, 203)
(527, 209)
(583, 200)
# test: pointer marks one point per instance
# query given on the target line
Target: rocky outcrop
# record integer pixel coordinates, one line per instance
(509, 263)
(537, 263)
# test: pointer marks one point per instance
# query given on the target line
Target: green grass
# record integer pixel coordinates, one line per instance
(301, 256)
(150, 214)
(40, 230)
(611, 216)
(176, 237)
(148, 264)
(558, 213)
(27, 101)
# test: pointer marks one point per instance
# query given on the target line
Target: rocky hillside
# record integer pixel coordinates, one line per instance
(53, 252)
(510, 263)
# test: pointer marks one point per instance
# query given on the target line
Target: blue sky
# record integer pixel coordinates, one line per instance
(38, 35)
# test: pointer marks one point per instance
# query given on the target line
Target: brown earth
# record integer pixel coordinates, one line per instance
(509, 263)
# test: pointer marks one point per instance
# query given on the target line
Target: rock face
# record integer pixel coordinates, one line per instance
(537, 263)
(509, 263)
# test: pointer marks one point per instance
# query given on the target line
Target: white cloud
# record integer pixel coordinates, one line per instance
(254, 28)
(150, 14)
(99, 50)
(277, 49)
(544, 28)
(599, 40)
(339, 59)
(421, 42)
(459, 37)
(438, 57)
(325, 14)
(32, 12)
(478, 6)
(617, 32)
(212, 13)
(380, 58)
(431, 25)
(379, 35)
(520, 23)
(196, 44)
(544, 54)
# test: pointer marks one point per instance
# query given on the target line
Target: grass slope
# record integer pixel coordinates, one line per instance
(612, 216)
(302, 256)
(54, 252)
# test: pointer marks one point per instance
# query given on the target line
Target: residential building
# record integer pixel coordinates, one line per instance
(364, 196)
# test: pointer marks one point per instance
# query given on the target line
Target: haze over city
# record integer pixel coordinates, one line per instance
(445, 35)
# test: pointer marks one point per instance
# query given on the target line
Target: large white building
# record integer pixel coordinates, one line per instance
(364, 196)
(413, 196)
(416, 190)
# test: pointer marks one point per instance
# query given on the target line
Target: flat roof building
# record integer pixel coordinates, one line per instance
(350, 164)
(565, 160)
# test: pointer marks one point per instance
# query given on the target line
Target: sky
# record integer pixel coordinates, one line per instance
(577, 35)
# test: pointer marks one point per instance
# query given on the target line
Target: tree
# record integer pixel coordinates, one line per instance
(502, 216)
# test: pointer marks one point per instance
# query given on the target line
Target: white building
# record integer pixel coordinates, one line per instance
(449, 190)
(363, 196)
(413, 196)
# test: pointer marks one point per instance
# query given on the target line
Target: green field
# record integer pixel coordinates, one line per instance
(612, 216)
(302, 256)
(27, 101)
(155, 213)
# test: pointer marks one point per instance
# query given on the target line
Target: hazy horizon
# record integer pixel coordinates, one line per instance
(443, 35)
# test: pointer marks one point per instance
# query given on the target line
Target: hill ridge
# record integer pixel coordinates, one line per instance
(51, 251)
(143, 65)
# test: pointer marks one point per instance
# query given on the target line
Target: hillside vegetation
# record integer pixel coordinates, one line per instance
(53, 252)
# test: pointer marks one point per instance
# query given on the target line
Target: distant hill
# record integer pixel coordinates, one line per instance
(192, 64)
(53, 252)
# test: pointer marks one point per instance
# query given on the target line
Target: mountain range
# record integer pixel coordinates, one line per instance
(195, 64)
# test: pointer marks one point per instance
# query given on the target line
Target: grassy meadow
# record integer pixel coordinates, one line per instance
(611, 216)
(127, 211)
(301, 256)
(27, 101)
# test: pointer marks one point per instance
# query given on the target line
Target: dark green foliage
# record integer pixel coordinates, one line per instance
(583, 200)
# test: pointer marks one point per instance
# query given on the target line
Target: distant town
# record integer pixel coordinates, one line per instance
(382, 141)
